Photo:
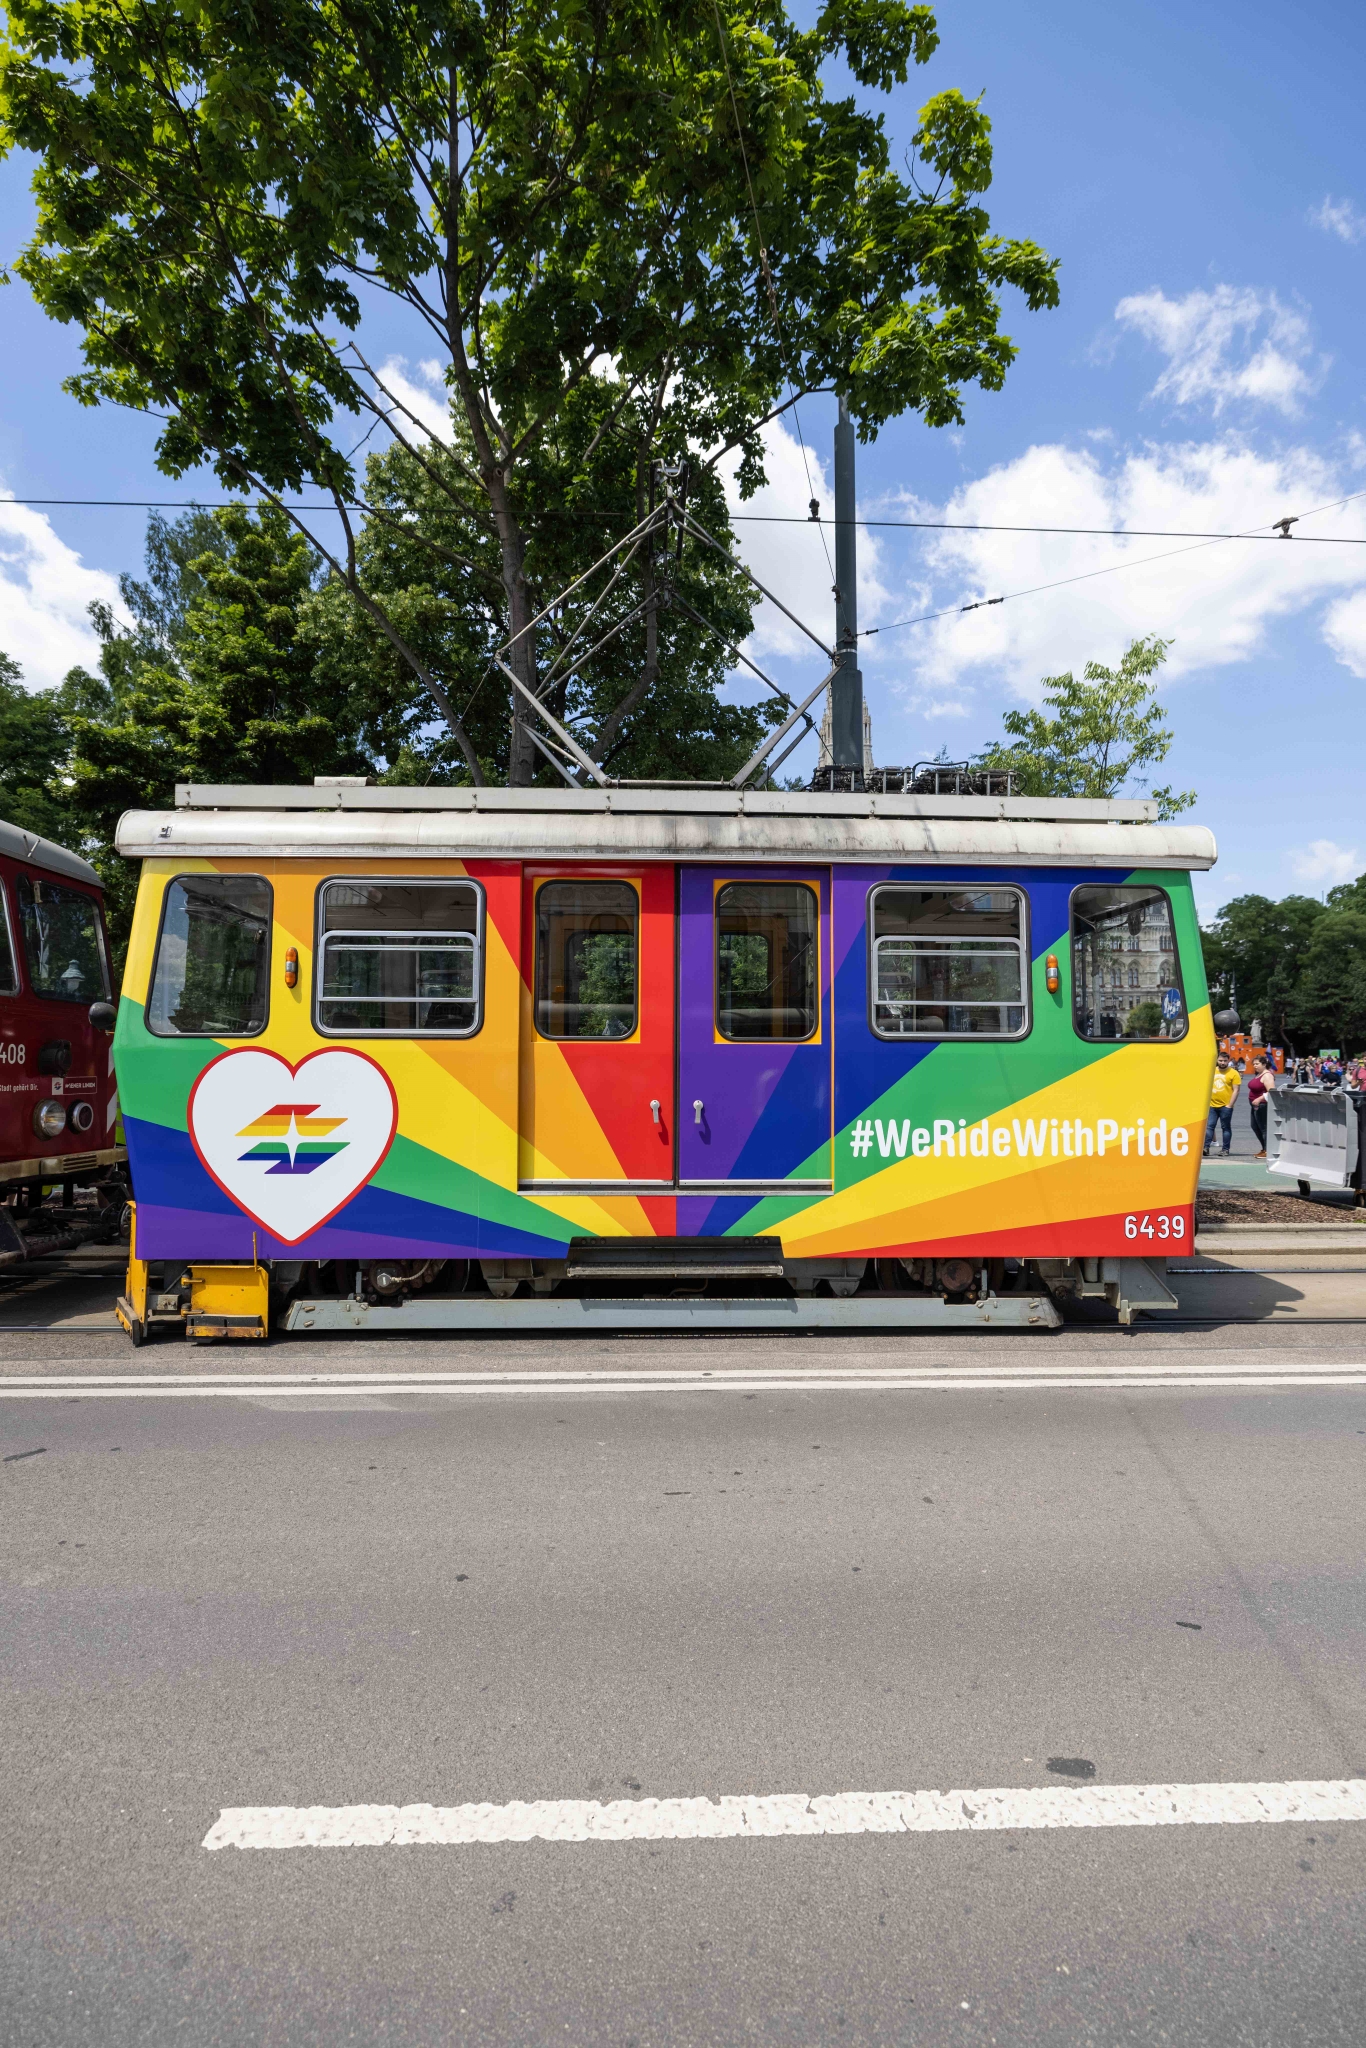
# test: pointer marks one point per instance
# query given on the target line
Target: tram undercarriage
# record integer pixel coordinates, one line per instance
(626, 1285)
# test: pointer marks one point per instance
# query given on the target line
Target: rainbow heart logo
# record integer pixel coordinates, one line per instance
(291, 1145)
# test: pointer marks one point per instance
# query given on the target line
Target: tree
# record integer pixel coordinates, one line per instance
(215, 681)
(1105, 730)
(34, 739)
(1329, 1004)
(655, 192)
(650, 698)
(1347, 895)
(1254, 954)
(1144, 1021)
(159, 604)
(230, 697)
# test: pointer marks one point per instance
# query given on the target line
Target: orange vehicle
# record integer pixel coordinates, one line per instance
(1242, 1051)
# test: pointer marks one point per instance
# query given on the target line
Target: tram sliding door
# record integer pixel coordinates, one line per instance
(754, 1027)
(597, 1036)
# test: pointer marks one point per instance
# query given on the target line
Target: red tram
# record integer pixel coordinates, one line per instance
(62, 1173)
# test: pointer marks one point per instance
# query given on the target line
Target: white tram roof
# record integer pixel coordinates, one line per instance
(45, 853)
(341, 820)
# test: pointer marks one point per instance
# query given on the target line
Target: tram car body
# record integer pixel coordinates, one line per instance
(396, 1058)
(58, 1099)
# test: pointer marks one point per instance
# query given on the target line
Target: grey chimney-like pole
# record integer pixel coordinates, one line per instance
(846, 692)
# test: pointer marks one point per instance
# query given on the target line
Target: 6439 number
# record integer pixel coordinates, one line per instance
(1160, 1225)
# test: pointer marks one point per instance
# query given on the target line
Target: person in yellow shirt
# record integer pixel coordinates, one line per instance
(1222, 1096)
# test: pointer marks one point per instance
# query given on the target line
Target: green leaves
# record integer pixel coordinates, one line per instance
(33, 744)
(1106, 729)
(1299, 965)
(879, 38)
(1328, 1006)
(532, 195)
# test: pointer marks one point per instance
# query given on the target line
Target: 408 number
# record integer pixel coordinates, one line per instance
(1158, 1226)
(12, 1055)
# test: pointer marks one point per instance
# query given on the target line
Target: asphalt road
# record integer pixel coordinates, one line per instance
(394, 1597)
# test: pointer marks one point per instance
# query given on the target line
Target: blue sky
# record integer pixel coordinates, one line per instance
(1200, 173)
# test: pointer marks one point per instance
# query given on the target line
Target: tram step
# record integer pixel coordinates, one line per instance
(687, 1258)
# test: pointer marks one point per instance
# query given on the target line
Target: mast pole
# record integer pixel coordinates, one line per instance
(846, 694)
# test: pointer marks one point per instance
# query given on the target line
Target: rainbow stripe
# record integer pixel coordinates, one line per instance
(486, 1122)
(306, 1154)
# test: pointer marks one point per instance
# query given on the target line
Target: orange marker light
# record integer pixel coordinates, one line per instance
(291, 966)
(1052, 978)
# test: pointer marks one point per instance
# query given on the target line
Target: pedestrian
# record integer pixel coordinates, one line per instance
(1262, 1083)
(1223, 1094)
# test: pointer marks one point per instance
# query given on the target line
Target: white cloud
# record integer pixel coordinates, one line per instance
(792, 559)
(1225, 346)
(1344, 628)
(426, 399)
(45, 589)
(1339, 217)
(1323, 863)
(1215, 602)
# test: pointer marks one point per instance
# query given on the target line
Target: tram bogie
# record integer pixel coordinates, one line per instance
(658, 1059)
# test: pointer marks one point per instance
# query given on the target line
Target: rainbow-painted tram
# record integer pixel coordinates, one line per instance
(394, 1059)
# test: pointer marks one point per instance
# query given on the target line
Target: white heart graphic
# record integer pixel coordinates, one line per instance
(292, 1145)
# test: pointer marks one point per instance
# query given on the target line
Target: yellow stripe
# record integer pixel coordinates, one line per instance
(553, 1102)
(919, 1200)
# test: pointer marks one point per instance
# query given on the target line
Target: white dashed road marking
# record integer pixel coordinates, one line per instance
(1318, 1800)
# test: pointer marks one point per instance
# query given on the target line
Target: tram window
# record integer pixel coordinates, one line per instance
(399, 957)
(63, 941)
(209, 978)
(1147, 1000)
(586, 943)
(949, 963)
(9, 968)
(766, 984)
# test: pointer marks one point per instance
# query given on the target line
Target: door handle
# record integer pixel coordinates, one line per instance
(697, 1111)
(654, 1108)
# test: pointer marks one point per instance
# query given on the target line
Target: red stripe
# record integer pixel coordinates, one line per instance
(1082, 1237)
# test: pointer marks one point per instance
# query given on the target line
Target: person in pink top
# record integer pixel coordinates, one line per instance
(1259, 1086)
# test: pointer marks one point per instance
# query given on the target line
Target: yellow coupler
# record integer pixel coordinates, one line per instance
(224, 1301)
(131, 1306)
(228, 1301)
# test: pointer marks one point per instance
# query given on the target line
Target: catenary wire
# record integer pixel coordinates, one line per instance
(1086, 575)
(1347, 540)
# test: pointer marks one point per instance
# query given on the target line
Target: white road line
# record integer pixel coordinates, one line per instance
(1318, 1800)
(96, 1386)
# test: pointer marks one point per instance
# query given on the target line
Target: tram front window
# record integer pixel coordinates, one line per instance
(399, 958)
(209, 978)
(948, 963)
(63, 941)
(766, 984)
(586, 938)
(1144, 999)
(9, 972)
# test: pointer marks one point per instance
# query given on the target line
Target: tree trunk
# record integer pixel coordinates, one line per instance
(522, 755)
(494, 476)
